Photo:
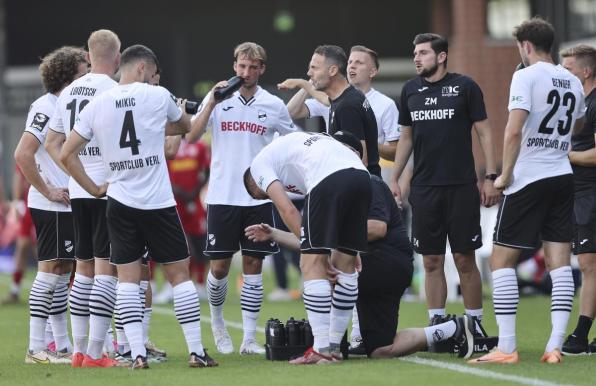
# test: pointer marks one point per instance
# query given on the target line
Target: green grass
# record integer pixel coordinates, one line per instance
(533, 330)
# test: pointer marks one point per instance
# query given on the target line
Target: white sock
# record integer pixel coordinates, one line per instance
(251, 299)
(101, 308)
(345, 294)
(475, 313)
(505, 300)
(128, 302)
(435, 311)
(317, 301)
(58, 317)
(108, 343)
(561, 304)
(146, 323)
(216, 293)
(40, 303)
(355, 326)
(188, 313)
(79, 311)
(439, 332)
(49, 335)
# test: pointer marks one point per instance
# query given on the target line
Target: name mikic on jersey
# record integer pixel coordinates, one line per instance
(428, 115)
(125, 102)
(136, 163)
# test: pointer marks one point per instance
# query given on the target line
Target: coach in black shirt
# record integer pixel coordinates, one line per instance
(581, 61)
(350, 111)
(438, 111)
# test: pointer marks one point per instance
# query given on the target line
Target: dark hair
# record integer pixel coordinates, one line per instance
(336, 56)
(350, 140)
(59, 67)
(437, 42)
(537, 31)
(585, 54)
(136, 53)
(373, 54)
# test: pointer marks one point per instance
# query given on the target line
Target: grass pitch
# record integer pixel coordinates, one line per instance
(421, 369)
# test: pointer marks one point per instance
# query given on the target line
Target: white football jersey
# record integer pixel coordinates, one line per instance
(386, 115)
(317, 109)
(39, 115)
(128, 121)
(384, 108)
(71, 102)
(554, 99)
(301, 160)
(240, 129)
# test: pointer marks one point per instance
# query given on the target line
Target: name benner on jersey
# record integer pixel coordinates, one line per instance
(546, 142)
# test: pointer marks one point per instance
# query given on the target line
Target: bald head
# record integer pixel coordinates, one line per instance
(104, 46)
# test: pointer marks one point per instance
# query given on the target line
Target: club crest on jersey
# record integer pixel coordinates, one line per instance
(366, 104)
(39, 121)
(450, 91)
(211, 239)
(68, 246)
(262, 116)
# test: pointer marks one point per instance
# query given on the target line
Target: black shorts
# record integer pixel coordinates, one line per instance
(133, 231)
(584, 216)
(335, 214)
(542, 210)
(381, 284)
(441, 212)
(55, 235)
(90, 228)
(225, 231)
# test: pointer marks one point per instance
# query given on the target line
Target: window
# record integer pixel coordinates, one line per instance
(503, 15)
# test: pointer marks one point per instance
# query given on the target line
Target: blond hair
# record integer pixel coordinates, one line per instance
(103, 44)
(250, 51)
(583, 53)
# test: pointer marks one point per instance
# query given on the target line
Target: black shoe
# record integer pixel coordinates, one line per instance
(140, 362)
(478, 330)
(438, 319)
(463, 336)
(576, 346)
(196, 360)
(592, 347)
(358, 349)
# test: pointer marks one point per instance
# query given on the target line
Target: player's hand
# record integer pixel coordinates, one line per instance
(58, 195)
(101, 191)
(221, 84)
(259, 232)
(290, 84)
(489, 194)
(182, 105)
(358, 263)
(396, 190)
(503, 181)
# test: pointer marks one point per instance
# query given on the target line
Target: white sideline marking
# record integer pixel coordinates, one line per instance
(479, 372)
(413, 359)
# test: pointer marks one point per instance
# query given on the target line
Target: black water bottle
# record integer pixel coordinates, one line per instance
(277, 334)
(301, 332)
(292, 333)
(268, 326)
(308, 337)
(234, 84)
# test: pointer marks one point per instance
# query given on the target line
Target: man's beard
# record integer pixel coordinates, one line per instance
(428, 72)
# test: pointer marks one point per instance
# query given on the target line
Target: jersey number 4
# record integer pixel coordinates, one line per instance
(128, 136)
(554, 99)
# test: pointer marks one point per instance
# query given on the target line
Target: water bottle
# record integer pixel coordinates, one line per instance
(309, 340)
(292, 333)
(234, 84)
(277, 334)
